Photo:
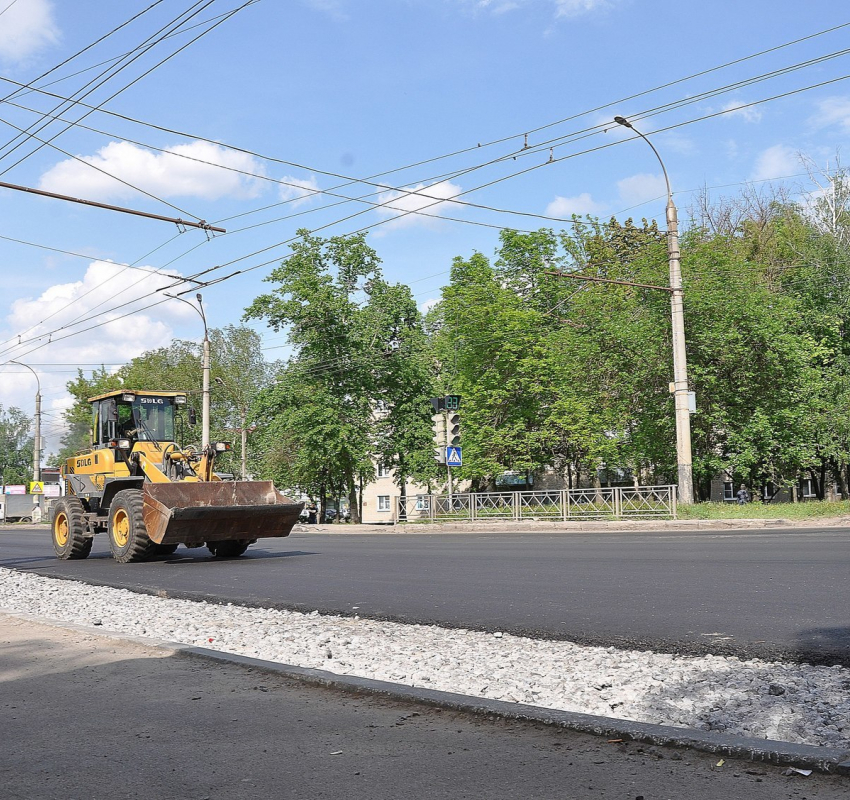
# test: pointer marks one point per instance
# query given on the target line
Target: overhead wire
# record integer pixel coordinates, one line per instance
(741, 106)
(355, 180)
(441, 200)
(507, 177)
(81, 51)
(184, 30)
(221, 20)
(105, 75)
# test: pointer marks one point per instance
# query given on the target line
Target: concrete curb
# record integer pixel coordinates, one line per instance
(821, 759)
(559, 526)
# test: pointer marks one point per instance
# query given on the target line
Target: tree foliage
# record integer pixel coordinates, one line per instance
(356, 388)
(16, 446)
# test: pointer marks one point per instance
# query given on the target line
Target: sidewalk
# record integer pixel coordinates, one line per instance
(96, 716)
(560, 526)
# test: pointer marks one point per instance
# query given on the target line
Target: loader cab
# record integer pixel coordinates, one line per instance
(135, 416)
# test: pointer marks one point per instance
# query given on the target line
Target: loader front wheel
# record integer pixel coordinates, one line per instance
(128, 537)
(229, 548)
(69, 529)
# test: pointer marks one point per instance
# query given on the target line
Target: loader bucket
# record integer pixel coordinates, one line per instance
(216, 511)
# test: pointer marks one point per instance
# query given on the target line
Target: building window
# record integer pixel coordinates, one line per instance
(383, 502)
(383, 470)
(423, 503)
(728, 491)
(807, 488)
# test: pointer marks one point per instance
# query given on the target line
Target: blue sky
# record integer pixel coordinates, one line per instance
(345, 89)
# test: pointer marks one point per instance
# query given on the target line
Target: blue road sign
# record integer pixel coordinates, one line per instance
(454, 457)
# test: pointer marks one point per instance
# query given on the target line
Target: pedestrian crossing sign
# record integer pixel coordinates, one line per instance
(454, 456)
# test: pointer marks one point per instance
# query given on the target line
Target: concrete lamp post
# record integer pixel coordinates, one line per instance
(680, 366)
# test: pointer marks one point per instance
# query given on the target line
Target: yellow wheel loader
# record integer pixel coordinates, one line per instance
(151, 495)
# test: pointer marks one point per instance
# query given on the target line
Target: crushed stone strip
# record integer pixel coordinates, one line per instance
(795, 703)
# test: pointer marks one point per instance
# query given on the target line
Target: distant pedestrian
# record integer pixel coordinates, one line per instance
(743, 496)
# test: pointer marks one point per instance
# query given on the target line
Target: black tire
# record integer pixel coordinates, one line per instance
(128, 537)
(229, 548)
(69, 529)
(165, 549)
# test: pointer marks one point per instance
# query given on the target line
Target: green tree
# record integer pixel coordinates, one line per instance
(325, 390)
(356, 388)
(16, 446)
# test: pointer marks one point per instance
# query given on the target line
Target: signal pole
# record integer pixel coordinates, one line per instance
(448, 466)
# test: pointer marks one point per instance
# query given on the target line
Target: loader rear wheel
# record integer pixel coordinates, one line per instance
(229, 548)
(128, 537)
(69, 529)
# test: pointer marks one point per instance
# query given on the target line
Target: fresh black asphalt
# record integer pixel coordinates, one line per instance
(757, 593)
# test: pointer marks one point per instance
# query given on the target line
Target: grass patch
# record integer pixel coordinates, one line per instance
(807, 510)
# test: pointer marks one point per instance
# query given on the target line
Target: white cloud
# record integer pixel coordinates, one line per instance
(677, 143)
(114, 343)
(406, 201)
(25, 28)
(162, 174)
(564, 9)
(335, 9)
(427, 305)
(833, 111)
(734, 108)
(776, 162)
(565, 207)
(298, 190)
(576, 8)
(640, 188)
(494, 6)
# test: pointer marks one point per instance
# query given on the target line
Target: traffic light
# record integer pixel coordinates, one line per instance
(438, 404)
(452, 402)
(453, 428)
(439, 428)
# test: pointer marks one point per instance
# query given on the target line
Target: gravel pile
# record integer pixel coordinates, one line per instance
(788, 702)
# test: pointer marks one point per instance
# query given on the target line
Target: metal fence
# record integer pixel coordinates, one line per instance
(564, 504)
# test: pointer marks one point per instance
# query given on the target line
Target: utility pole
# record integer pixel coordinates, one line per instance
(680, 366)
(36, 448)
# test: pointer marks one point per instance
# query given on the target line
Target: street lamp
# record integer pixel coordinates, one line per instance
(205, 402)
(36, 448)
(680, 365)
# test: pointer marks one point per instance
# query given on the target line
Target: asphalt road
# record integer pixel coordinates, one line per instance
(759, 593)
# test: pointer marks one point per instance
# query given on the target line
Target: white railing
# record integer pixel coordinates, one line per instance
(564, 504)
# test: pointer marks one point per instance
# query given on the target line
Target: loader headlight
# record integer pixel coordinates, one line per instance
(180, 400)
(124, 444)
(221, 447)
(128, 397)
